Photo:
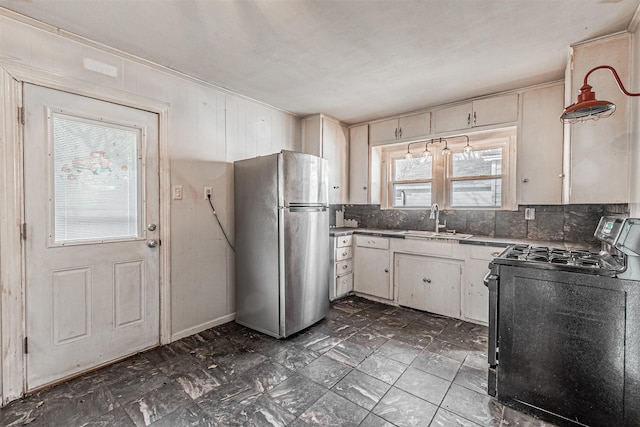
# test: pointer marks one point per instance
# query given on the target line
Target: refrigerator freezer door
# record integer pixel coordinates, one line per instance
(305, 297)
(303, 180)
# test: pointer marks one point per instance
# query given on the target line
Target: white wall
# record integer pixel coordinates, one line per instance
(208, 129)
(634, 167)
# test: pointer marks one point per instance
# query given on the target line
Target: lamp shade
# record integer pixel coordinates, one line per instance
(587, 106)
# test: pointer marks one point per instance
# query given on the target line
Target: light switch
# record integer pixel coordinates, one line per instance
(177, 192)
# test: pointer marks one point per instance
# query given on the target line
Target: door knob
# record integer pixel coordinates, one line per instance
(151, 227)
(152, 243)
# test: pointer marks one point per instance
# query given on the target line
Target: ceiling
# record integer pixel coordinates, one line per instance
(355, 60)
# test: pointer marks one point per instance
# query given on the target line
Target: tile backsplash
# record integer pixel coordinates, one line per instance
(569, 223)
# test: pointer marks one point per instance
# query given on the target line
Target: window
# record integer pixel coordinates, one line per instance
(459, 180)
(410, 185)
(475, 178)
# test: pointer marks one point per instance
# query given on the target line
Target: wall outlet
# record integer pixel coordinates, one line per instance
(177, 192)
(208, 191)
(529, 214)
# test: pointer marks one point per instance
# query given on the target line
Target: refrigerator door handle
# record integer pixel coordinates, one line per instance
(307, 208)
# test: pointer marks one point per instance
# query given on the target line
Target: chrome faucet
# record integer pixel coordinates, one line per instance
(435, 214)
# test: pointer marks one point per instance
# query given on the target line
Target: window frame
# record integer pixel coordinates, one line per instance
(398, 154)
(441, 179)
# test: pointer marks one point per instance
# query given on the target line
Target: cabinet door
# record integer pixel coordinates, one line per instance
(540, 142)
(600, 148)
(417, 125)
(476, 294)
(453, 118)
(429, 284)
(384, 131)
(335, 149)
(358, 164)
(371, 272)
(491, 111)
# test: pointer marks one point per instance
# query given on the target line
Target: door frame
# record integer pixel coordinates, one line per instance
(12, 251)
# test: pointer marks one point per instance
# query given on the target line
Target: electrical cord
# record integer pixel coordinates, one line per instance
(218, 219)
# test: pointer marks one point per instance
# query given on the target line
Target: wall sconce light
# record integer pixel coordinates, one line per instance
(446, 150)
(587, 107)
(408, 154)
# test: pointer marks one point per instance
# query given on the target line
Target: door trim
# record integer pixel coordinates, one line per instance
(12, 274)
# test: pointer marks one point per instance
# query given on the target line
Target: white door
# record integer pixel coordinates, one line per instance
(91, 213)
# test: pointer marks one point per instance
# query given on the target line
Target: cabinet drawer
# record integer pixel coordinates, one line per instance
(487, 253)
(344, 284)
(343, 253)
(344, 267)
(343, 241)
(372, 242)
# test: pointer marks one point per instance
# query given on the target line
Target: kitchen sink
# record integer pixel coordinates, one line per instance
(431, 235)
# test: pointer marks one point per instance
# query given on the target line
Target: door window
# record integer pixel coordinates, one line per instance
(96, 182)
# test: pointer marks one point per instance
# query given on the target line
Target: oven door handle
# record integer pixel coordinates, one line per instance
(491, 281)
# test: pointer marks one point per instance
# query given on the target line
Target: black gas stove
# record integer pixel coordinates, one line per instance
(564, 329)
(579, 260)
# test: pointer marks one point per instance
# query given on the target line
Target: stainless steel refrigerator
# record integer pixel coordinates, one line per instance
(282, 242)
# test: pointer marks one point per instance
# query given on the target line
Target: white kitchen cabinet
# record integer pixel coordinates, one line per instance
(405, 128)
(481, 112)
(359, 164)
(371, 266)
(341, 265)
(540, 147)
(326, 137)
(429, 284)
(475, 307)
(599, 149)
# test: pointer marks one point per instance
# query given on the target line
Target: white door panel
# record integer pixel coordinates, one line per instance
(91, 189)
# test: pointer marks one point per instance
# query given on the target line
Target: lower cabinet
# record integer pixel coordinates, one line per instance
(476, 294)
(429, 284)
(371, 266)
(341, 276)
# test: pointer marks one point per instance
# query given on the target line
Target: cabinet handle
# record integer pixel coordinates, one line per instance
(396, 133)
(426, 280)
(561, 175)
(335, 187)
(525, 179)
(345, 241)
(344, 253)
(344, 267)
(364, 188)
(474, 118)
(469, 120)
(495, 254)
(386, 270)
(400, 132)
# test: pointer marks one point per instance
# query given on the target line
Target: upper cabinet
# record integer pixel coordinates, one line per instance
(359, 164)
(400, 129)
(326, 137)
(599, 150)
(540, 147)
(481, 112)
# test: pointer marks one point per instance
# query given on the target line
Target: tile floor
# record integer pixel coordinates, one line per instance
(366, 364)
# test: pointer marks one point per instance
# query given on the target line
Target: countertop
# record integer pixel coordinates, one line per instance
(475, 240)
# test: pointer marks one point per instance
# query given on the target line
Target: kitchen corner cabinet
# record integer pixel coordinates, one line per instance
(599, 154)
(341, 276)
(429, 284)
(540, 147)
(359, 164)
(400, 129)
(481, 112)
(326, 137)
(371, 266)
